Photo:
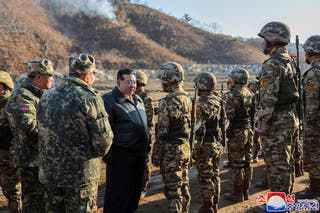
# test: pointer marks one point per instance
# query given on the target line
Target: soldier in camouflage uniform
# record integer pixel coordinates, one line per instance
(171, 150)
(240, 111)
(252, 85)
(277, 123)
(207, 149)
(21, 112)
(74, 132)
(9, 175)
(311, 85)
(142, 80)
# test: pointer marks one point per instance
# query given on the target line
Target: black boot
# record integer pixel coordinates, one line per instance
(313, 191)
(207, 207)
(237, 194)
(247, 182)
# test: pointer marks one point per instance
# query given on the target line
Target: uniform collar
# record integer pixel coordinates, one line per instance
(283, 51)
(81, 83)
(27, 84)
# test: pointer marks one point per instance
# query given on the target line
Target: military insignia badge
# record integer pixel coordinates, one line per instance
(265, 83)
(309, 87)
(24, 108)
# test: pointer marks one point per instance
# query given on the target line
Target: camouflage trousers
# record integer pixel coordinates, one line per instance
(207, 156)
(146, 173)
(77, 200)
(298, 153)
(10, 182)
(311, 150)
(32, 191)
(278, 147)
(240, 153)
(256, 145)
(174, 169)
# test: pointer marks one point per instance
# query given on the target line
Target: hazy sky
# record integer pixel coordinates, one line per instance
(245, 18)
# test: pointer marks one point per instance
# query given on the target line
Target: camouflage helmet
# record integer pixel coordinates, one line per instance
(253, 81)
(81, 64)
(205, 81)
(239, 75)
(141, 77)
(170, 72)
(312, 44)
(40, 66)
(6, 79)
(277, 32)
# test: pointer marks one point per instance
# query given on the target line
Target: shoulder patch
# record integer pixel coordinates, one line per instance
(24, 108)
(309, 87)
(265, 83)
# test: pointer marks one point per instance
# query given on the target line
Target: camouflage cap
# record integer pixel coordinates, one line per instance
(277, 32)
(239, 75)
(6, 79)
(312, 44)
(170, 72)
(40, 66)
(141, 77)
(81, 64)
(205, 81)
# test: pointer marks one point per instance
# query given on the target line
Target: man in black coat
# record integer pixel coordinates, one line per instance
(125, 160)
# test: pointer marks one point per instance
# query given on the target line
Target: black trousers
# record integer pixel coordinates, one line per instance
(124, 181)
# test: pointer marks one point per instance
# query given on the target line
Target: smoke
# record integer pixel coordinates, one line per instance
(89, 7)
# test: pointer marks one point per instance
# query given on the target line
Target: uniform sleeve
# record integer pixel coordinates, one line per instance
(98, 125)
(230, 106)
(23, 114)
(149, 111)
(162, 131)
(312, 98)
(268, 93)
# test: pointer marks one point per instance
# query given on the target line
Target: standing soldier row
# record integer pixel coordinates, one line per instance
(73, 133)
(142, 81)
(276, 117)
(172, 149)
(239, 110)
(21, 111)
(9, 174)
(208, 149)
(311, 85)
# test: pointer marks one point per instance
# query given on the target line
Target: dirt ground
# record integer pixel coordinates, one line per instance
(155, 202)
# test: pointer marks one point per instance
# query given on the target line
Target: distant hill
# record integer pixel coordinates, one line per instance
(140, 38)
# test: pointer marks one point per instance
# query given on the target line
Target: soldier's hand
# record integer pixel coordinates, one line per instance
(262, 132)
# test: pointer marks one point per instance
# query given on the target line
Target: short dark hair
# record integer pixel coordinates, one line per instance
(124, 72)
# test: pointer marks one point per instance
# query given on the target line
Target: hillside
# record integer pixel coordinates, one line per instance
(140, 38)
(188, 41)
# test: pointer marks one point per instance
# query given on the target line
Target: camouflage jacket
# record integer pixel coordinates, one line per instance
(311, 86)
(174, 122)
(21, 112)
(147, 101)
(239, 106)
(277, 89)
(73, 133)
(208, 116)
(5, 131)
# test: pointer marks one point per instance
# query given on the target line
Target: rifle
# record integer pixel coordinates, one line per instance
(193, 123)
(300, 90)
(222, 121)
